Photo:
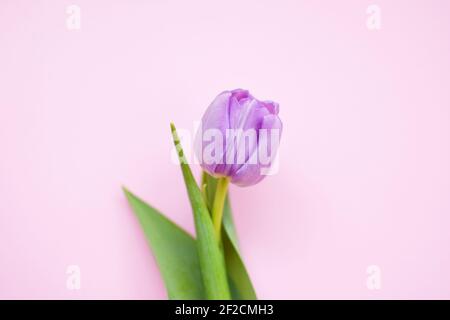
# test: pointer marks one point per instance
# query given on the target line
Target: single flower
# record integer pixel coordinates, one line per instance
(238, 137)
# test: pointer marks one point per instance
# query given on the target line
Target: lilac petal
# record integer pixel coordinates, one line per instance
(236, 108)
(240, 94)
(247, 175)
(215, 117)
(248, 143)
(255, 116)
(273, 107)
(270, 122)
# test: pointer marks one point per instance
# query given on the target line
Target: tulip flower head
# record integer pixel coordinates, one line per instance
(239, 137)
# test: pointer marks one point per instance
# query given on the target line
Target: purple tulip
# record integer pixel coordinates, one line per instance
(239, 137)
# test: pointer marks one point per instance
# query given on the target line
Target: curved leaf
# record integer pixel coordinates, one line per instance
(212, 262)
(174, 249)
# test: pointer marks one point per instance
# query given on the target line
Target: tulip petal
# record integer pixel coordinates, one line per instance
(247, 175)
(250, 173)
(247, 144)
(216, 117)
(270, 122)
(272, 106)
(240, 94)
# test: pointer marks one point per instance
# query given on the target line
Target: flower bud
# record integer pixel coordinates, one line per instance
(238, 137)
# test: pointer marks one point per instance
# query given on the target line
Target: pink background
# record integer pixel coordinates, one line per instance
(364, 174)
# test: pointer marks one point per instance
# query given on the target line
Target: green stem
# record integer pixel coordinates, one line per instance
(219, 201)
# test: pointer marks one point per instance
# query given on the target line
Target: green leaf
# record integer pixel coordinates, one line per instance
(174, 249)
(212, 264)
(240, 283)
